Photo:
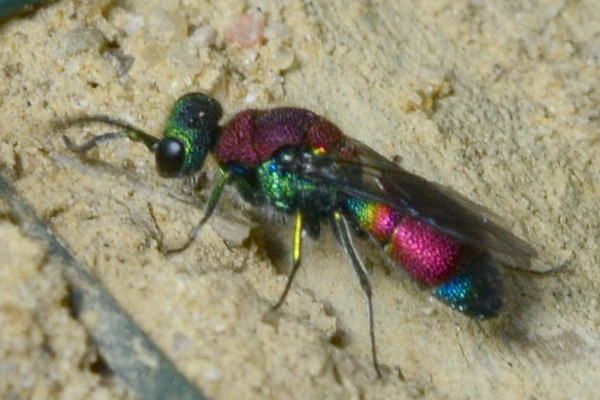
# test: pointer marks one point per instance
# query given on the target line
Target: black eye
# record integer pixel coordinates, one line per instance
(170, 155)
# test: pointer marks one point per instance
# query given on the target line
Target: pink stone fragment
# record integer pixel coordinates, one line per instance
(246, 31)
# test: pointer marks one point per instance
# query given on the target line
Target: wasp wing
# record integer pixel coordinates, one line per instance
(370, 176)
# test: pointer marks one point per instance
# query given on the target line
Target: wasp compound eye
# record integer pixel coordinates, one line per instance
(170, 155)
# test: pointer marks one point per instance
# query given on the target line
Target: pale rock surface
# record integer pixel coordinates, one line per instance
(498, 100)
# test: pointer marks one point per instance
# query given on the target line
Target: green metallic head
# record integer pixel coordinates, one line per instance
(190, 133)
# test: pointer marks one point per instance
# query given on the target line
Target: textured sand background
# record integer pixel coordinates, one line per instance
(500, 101)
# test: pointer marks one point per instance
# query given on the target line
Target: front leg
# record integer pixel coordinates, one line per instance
(213, 200)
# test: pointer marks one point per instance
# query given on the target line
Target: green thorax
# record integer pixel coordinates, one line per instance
(289, 192)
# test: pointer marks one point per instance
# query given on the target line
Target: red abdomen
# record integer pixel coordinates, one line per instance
(425, 253)
(253, 136)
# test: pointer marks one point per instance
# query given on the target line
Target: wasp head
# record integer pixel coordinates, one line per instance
(190, 133)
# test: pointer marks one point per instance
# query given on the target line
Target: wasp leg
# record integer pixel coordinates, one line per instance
(343, 233)
(213, 200)
(249, 192)
(295, 259)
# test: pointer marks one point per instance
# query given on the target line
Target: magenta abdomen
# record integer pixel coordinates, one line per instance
(425, 253)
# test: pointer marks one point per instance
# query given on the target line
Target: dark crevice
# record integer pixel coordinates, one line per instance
(339, 339)
(336, 375)
(18, 167)
(100, 367)
(68, 302)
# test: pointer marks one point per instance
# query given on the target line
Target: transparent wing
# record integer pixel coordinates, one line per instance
(372, 177)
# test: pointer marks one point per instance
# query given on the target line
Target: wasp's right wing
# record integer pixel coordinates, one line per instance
(370, 176)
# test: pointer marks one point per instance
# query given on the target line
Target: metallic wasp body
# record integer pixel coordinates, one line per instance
(302, 164)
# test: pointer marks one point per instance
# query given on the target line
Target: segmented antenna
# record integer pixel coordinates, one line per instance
(128, 131)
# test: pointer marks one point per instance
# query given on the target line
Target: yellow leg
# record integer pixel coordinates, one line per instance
(296, 252)
(297, 238)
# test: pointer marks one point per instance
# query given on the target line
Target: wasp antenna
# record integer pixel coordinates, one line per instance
(93, 142)
(128, 131)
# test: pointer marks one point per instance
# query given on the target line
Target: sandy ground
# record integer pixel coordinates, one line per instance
(500, 101)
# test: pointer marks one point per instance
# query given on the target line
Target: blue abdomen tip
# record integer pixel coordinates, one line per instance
(476, 291)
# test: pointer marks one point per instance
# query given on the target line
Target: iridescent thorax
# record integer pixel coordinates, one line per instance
(252, 138)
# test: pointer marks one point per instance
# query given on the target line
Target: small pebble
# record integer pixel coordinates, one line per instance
(246, 31)
(203, 36)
